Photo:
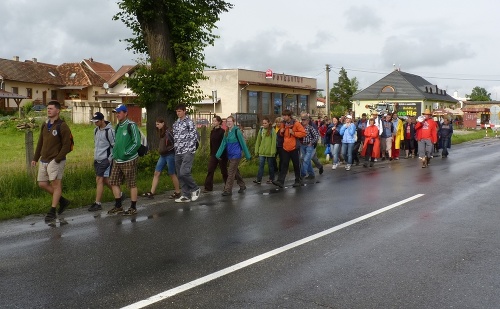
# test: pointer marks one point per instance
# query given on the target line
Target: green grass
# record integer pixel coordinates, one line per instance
(20, 195)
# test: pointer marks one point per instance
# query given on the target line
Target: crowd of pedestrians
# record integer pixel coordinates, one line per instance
(380, 136)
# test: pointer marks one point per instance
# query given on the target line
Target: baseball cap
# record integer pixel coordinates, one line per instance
(349, 117)
(97, 116)
(120, 108)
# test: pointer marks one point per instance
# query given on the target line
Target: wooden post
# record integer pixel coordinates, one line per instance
(29, 151)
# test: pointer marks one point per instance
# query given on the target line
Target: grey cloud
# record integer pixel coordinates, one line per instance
(423, 51)
(360, 18)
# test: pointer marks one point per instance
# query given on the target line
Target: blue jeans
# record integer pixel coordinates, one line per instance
(167, 160)
(270, 166)
(335, 150)
(347, 151)
(306, 153)
(445, 143)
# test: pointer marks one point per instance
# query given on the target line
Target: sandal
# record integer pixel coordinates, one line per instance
(148, 194)
(269, 181)
(175, 195)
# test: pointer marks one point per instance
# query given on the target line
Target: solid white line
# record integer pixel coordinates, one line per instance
(169, 293)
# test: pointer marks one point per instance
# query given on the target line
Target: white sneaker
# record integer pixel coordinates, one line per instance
(334, 166)
(183, 199)
(348, 167)
(195, 194)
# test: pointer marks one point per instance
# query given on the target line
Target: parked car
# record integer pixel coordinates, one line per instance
(202, 123)
(38, 108)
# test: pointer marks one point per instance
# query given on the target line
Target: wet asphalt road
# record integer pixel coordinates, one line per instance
(439, 250)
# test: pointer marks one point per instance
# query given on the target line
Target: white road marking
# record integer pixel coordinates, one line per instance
(169, 293)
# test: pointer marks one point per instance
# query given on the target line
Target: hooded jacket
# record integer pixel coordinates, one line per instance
(290, 140)
(104, 141)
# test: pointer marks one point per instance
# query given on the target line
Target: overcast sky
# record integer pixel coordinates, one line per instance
(454, 44)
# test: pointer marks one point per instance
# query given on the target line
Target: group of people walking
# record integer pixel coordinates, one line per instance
(288, 139)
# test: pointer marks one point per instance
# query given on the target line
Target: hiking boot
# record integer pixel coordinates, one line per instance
(115, 210)
(242, 189)
(278, 183)
(195, 194)
(297, 183)
(183, 199)
(226, 193)
(63, 203)
(95, 207)
(50, 216)
(130, 212)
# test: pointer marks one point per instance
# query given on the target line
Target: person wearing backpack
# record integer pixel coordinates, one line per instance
(54, 143)
(167, 158)
(125, 157)
(234, 144)
(291, 131)
(104, 140)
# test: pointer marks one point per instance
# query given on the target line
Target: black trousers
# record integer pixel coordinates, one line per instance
(285, 157)
(212, 166)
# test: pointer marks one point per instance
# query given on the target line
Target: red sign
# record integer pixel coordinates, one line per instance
(269, 73)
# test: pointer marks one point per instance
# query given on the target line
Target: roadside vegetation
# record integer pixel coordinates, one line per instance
(19, 192)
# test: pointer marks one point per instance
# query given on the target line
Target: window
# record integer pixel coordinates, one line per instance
(29, 93)
(73, 75)
(291, 103)
(388, 89)
(278, 103)
(52, 74)
(15, 90)
(53, 94)
(266, 103)
(253, 101)
(303, 103)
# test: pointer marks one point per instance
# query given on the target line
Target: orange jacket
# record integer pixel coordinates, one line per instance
(290, 140)
(371, 132)
(426, 130)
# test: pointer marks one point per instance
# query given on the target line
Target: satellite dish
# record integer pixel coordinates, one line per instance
(126, 75)
(105, 85)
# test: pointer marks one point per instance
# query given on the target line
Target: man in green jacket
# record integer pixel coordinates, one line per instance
(125, 157)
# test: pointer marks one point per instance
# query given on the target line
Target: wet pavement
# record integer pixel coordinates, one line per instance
(440, 249)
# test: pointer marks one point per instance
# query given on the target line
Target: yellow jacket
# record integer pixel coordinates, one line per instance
(400, 134)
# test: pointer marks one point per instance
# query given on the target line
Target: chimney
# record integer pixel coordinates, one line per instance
(34, 60)
(437, 89)
(444, 92)
(15, 58)
(426, 89)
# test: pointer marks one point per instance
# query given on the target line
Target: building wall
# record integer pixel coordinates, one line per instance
(36, 93)
(234, 85)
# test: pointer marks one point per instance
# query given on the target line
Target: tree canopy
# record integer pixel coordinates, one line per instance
(479, 94)
(342, 91)
(170, 36)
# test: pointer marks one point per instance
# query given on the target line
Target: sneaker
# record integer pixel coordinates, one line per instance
(115, 211)
(130, 212)
(348, 167)
(257, 182)
(195, 194)
(95, 207)
(334, 166)
(226, 193)
(242, 189)
(50, 216)
(321, 170)
(297, 183)
(63, 204)
(310, 177)
(175, 195)
(278, 183)
(183, 199)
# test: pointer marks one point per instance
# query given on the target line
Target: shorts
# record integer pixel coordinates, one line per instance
(102, 168)
(124, 171)
(50, 171)
(169, 161)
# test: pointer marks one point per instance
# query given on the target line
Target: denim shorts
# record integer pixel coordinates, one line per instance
(169, 161)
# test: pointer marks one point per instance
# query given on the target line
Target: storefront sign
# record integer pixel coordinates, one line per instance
(269, 73)
(409, 109)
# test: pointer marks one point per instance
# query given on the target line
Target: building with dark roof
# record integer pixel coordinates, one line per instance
(406, 93)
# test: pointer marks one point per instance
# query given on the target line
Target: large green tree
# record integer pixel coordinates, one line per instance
(170, 36)
(342, 91)
(479, 94)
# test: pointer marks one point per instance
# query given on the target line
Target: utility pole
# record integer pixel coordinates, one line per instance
(328, 90)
